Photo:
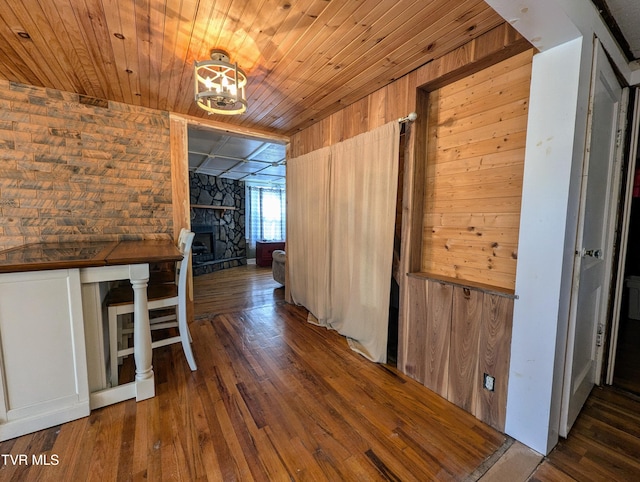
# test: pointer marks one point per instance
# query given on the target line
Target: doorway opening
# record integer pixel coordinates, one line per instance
(627, 357)
(234, 181)
(625, 345)
(394, 301)
(623, 370)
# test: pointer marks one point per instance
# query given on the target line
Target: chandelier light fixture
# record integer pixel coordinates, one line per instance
(220, 85)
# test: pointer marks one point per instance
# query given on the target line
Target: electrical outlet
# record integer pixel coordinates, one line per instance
(489, 382)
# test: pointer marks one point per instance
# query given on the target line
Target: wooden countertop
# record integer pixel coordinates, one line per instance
(43, 256)
(147, 251)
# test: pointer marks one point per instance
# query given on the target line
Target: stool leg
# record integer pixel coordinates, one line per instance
(185, 336)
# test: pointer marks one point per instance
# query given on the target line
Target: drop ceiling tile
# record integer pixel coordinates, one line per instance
(202, 141)
(275, 170)
(264, 179)
(220, 163)
(235, 175)
(196, 160)
(249, 166)
(210, 172)
(626, 14)
(220, 154)
(239, 147)
(271, 153)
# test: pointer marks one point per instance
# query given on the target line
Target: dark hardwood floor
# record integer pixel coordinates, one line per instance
(603, 445)
(276, 398)
(234, 290)
(627, 368)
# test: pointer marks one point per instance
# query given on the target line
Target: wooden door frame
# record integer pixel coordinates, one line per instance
(623, 239)
(180, 197)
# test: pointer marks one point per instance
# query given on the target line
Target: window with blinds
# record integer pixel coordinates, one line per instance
(266, 214)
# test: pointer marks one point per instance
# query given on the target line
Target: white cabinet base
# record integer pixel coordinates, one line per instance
(43, 363)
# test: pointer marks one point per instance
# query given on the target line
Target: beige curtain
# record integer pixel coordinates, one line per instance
(364, 180)
(356, 237)
(308, 231)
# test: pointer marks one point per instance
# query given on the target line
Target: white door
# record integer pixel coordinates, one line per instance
(594, 248)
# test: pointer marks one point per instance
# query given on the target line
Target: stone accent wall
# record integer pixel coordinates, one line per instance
(78, 168)
(227, 247)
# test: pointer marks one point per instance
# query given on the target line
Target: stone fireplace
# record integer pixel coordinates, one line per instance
(218, 221)
(207, 245)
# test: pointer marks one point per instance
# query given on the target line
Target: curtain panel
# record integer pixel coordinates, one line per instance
(350, 188)
(308, 231)
(267, 214)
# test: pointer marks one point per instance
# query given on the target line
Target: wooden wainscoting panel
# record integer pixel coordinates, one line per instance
(440, 298)
(415, 362)
(466, 320)
(460, 332)
(493, 359)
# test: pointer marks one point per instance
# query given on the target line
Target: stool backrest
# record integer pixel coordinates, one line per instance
(185, 240)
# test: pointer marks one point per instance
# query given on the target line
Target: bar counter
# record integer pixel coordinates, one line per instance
(52, 337)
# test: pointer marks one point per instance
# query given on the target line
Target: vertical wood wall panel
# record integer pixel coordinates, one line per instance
(336, 133)
(377, 109)
(458, 334)
(411, 214)
(415, 362)
(494, 357)
(180, 190)
(495, 36)
(466, 321)
(356, 118)
(180, 175)
(439, 304)
(399, 98)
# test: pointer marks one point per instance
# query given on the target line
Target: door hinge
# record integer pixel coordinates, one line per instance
(600, 334)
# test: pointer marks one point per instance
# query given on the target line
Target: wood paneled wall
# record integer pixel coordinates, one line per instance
(475, 160)
(398, 99)
(79, 168)
(459, 333)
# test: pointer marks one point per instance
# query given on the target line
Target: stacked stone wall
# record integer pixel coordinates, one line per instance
(218, 208)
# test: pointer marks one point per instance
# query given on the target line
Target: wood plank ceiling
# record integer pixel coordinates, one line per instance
(305, 58)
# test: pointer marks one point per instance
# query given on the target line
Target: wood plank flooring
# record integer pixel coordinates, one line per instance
(627, 368)
(236, 289)
(603, 445)
(276, 398)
